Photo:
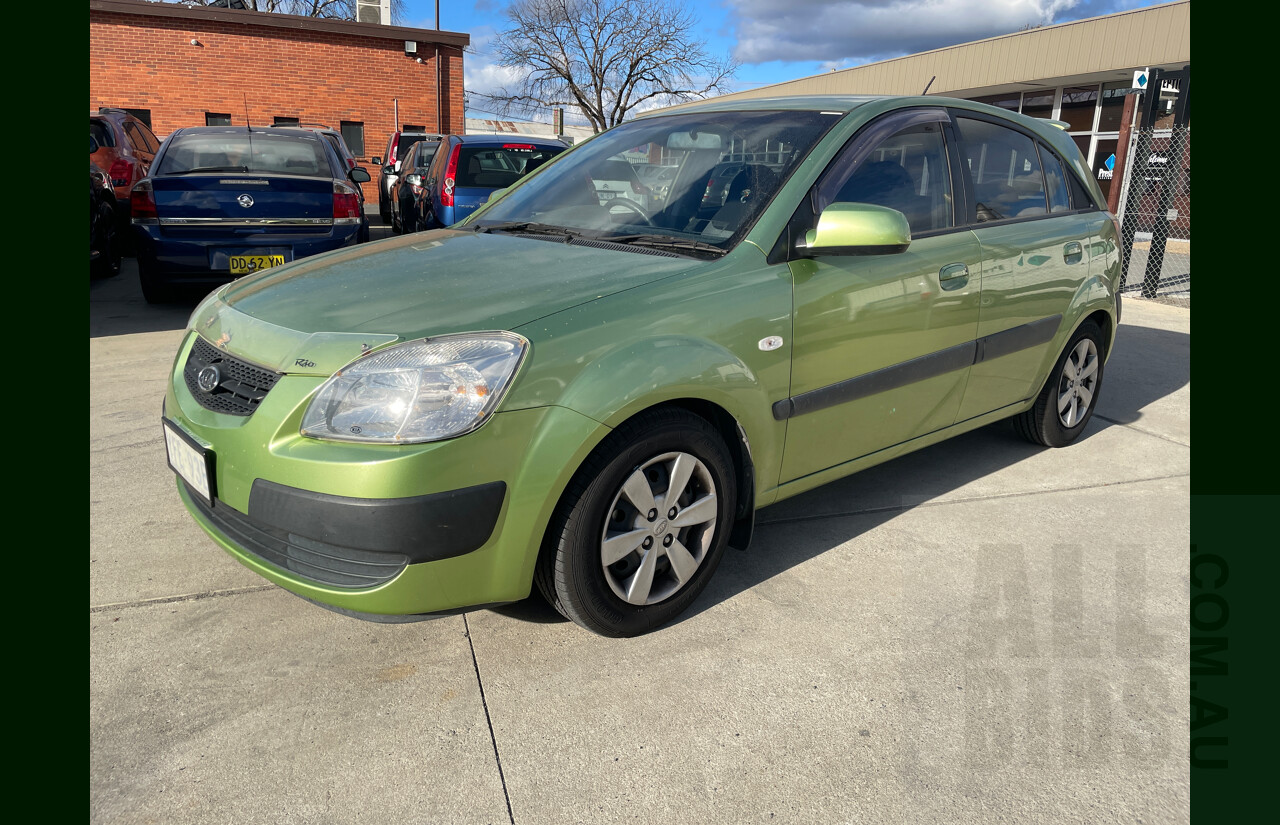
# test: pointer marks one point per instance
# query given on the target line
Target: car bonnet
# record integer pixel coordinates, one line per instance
(316, 315)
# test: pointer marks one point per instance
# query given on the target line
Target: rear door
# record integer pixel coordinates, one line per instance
(1035, 256)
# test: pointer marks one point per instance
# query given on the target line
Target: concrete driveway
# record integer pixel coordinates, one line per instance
(982, 631)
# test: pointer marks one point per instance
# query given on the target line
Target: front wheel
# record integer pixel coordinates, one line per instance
(1065, 405)
(642, 526)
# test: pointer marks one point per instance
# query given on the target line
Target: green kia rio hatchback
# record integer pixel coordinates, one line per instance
(595, 395)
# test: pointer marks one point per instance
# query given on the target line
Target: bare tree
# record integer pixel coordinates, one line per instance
(604, 57)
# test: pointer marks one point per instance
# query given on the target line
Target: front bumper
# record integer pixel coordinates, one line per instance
(382, 529)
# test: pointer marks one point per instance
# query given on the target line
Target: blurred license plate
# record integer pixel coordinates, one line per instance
(245, 264)
(605, 196)
(189, 460)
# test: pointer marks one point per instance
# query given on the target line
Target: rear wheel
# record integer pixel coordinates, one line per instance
(642, 527)
(1065, 405)
(384, 204)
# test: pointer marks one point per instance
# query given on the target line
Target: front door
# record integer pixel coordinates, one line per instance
(883, 343)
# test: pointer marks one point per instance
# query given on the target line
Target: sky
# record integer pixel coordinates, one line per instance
(769, 37)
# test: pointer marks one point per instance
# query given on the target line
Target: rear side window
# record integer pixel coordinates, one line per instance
(1004, 171)
(259, 152)
(137, 139)
(1055, 177)
(496, 167)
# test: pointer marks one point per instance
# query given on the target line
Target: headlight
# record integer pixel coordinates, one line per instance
(417, 391)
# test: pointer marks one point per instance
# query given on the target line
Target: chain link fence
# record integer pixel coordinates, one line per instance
(1155, 215)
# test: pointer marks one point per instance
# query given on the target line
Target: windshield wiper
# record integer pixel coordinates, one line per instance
(664, 242)
(211, 169)
(529, 228)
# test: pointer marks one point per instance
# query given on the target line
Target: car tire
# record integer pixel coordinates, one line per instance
(613, 562)
(1068, 399)
(154, 289)
(384, 204)
(109, 245)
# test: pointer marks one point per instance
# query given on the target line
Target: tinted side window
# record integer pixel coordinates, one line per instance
(907, 171)
(1004, 171)
(136, 139)
(1055, 177)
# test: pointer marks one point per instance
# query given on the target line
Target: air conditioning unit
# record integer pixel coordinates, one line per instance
(374, 11)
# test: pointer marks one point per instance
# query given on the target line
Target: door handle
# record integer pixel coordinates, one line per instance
(953, 276)
(1072, 252)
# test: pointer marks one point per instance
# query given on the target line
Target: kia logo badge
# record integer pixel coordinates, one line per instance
(208, 378)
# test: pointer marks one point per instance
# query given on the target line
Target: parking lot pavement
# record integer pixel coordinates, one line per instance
(981, 631)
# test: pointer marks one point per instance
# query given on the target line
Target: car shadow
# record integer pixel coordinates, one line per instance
(1149, 365)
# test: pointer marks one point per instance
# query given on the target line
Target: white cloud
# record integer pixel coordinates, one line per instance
(851, 32)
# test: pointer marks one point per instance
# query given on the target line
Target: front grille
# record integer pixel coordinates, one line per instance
(240, 387)
(311, 560)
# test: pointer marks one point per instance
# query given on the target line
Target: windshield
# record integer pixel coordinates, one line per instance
(260, 152)
(692, 183)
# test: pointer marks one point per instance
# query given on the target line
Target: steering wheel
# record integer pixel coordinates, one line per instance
(632, 206)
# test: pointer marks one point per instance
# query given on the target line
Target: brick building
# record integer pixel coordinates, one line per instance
(176, 66)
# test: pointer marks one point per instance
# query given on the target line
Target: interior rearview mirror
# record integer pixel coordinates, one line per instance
(690, 140)
(858, 229)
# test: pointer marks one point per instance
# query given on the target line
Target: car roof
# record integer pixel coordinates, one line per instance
(810, 103)
(292, 131)
(499, 140)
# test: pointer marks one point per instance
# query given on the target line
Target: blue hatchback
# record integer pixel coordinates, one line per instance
(469, 168)
(226, 201)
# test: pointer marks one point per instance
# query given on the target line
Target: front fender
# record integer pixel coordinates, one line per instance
(695, 337)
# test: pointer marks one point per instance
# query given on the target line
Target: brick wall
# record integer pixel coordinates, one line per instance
(140, 62)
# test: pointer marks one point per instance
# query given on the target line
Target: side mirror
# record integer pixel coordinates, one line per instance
(413, 180)
(359, 175)
(376, 161)
(93, 144)
(858, 229)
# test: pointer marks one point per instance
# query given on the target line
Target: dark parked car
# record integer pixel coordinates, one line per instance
(407, 191)
(104, 223)
(469, 168)
(226, 201)
(397, 146)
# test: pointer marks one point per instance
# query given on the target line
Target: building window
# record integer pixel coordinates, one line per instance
(216, 119)
(1112, 106)
(353, 136)
(1038, 104)
(408, 128)
(141, 114)
(286, 121)
(1005, 101)
(1078, 106)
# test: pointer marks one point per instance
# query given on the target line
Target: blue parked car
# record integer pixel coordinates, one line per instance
(224, 201)
(465, 171)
